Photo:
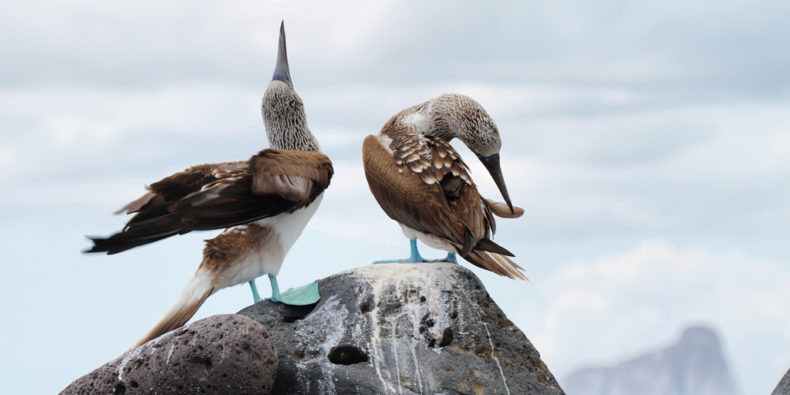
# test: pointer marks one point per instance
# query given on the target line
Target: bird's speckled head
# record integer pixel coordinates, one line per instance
(462, 117)
(466, 119)
(283, 110)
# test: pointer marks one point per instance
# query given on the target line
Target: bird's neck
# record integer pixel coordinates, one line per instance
(290, 133)
(434, 118)
(302, 141)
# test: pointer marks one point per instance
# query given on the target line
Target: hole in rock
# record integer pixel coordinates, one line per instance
(347, 355)
(447, 337)
(365, 307)
(205, 362)
(294, 313)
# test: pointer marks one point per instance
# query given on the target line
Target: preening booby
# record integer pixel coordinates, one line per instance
(264, 203)
(420, 181)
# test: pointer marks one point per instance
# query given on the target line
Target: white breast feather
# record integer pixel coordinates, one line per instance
(420, 122)
(269, 259)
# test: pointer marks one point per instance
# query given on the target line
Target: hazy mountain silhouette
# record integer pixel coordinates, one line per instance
(694, 365)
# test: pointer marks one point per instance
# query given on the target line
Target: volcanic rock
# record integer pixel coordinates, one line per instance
(227, 353)
(402, 328)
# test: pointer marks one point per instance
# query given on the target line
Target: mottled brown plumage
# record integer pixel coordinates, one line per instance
(216, 196)
(421, 182)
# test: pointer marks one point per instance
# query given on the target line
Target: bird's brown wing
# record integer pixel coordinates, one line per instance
(423, 184)
(298, 176)
(222, 195)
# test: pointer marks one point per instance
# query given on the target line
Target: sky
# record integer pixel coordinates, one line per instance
(649, 144)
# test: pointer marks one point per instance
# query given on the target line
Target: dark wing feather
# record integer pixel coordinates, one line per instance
(284, 173)
(218, 196)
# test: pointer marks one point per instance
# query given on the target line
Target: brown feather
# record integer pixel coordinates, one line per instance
(469, 243)
(178, 315)
(222, 195)
(221, 256)
(290, 174)
(489, 245)
(450, 207)
(406, 198)
(496, 263)
(135, 205)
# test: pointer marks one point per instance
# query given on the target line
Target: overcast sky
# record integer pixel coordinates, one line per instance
(648, 143)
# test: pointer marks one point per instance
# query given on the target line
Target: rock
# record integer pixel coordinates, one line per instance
(783, 388)
(402, 328)
(695, 365)
(227, 353)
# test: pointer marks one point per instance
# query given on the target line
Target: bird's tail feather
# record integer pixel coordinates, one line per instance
(192, 297)
(137, 234)
(496, 263)
(489, 245)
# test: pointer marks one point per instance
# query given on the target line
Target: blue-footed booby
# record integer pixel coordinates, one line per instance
(420, 181)
(264, 203)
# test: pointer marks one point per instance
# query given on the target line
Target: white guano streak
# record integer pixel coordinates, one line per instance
(394, 343)
(331, 329)
(129, 356)
(381, 276)
(490, 342)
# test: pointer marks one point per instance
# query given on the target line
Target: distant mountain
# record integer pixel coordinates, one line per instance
(693, 366)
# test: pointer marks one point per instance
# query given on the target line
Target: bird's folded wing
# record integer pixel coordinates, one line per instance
(221, 195)
(164, 193)
(293, 175)
(407, 198)
(273, 182)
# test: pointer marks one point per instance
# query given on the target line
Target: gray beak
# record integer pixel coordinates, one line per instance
(281, 72)
(492, 164)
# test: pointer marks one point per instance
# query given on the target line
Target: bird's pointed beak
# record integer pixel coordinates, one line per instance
(281, 72)
(492, 164)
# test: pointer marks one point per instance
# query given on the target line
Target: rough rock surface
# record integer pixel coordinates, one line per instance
(783, 388)
(402, 328)
(695, 365)
(227, 353)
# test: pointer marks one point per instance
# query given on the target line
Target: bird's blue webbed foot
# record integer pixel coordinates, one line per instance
(301, 296)
(414, 258)
(449, 258)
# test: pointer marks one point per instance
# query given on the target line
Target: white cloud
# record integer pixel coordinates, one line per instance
(620, 122)
(610, 308)
(7, 158)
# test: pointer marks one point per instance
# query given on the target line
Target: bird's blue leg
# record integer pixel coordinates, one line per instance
(276, 297)
(255, 297)
(414, 258)
(415, 253)
(302, 296)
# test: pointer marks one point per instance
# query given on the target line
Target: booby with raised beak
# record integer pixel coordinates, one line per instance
(420, 181)
(264, 203)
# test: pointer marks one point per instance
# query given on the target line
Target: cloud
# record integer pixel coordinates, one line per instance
(638, 299)
(621, 122)
(614, 173)
(671, 47)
